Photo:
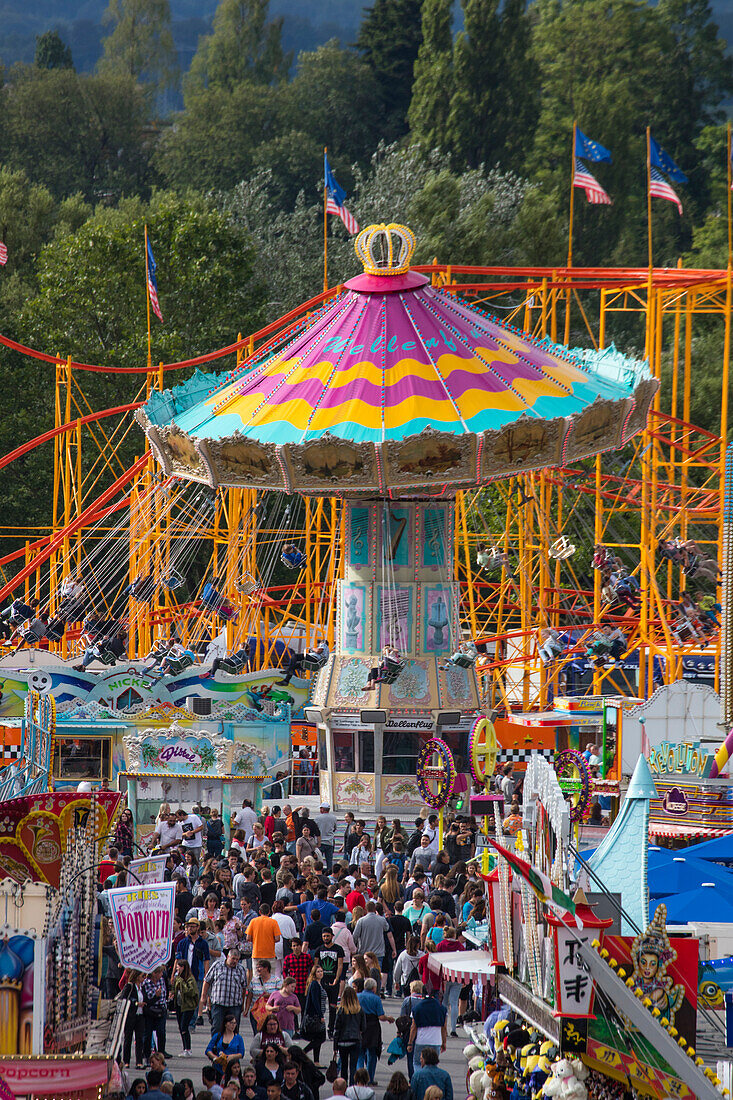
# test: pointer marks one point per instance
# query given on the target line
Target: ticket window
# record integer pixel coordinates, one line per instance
(82, 758)
(343, 751)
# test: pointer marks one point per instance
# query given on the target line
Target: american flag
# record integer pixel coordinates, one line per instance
(335, 196)
(660, 189)
(153, 284)
(593, 191)
(3, 253)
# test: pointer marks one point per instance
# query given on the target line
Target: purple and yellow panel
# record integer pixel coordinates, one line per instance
(378, 367)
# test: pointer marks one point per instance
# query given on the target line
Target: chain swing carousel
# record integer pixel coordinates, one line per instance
(396, 395)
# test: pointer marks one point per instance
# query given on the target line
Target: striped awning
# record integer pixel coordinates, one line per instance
(686, 831)
(462, 966)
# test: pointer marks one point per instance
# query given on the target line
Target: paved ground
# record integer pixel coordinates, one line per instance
(452, 1061)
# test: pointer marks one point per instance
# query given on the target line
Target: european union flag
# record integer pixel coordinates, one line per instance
(589, 149)
(660, 159)
(335, 189)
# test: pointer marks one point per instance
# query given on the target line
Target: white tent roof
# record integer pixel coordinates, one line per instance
(462, 966)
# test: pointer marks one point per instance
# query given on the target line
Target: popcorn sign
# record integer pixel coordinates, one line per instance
(143, 924)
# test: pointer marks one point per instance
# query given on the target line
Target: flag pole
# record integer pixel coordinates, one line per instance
(570, 229)
(730, 184)
(648, 349)
(325, 223)
(147, 299)
(572, 193)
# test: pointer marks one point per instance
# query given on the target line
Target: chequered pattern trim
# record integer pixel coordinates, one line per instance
(521, 756)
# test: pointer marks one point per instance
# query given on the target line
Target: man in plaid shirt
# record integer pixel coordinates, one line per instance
(298, 964)
(224, 986)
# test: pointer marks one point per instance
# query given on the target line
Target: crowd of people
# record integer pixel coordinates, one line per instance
(297, 933)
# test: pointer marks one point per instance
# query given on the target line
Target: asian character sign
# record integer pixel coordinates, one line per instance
(143, 924)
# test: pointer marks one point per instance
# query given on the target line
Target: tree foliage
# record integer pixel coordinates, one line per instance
(243, 46)
(140, 44)
(52, 52)
(389, 40)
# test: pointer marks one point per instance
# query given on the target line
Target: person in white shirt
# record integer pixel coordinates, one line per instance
(192, 828)
(431, 832)
(168, 833)
(287, 932)
(245, 819)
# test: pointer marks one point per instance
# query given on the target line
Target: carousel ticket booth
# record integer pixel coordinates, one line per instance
(186, 767)
(398, 590)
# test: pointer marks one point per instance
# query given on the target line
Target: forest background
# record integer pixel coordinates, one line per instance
(453, 116)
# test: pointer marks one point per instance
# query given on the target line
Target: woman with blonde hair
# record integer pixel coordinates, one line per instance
(348, 1028)
(432, 1092)
(356, 914)
(391, 890)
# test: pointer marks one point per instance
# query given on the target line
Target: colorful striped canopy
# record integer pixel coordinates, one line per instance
(392, 383)
(384, 366)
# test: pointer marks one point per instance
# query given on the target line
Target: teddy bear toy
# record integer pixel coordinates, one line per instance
(566, 1080)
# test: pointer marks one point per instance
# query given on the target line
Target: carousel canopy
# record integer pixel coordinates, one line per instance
(394, 383)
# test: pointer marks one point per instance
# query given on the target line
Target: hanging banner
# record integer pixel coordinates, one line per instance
(147, 870)
(143, 923)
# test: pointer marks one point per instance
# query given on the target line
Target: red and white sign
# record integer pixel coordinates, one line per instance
(143, 923)
(52, 1076)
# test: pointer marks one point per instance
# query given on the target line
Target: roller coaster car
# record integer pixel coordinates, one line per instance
(561, 549)
(391, 672)
(313, 663)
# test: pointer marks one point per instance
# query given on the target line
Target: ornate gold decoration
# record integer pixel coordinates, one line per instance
(385, 249)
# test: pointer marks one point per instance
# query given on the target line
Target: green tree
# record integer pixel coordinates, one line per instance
(493, 105)
(433, 84)
(212, 143)
(599, 64)
(243, 46)
(91, 286)
(140, 44)
(75, 132)
(52, 52)
(389, 39)
(334, 98)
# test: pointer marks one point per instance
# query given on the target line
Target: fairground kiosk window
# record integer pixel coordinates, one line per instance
(401, 749)
(343, 751)
(82, 757)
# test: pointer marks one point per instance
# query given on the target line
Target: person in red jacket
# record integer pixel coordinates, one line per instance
(355, 896)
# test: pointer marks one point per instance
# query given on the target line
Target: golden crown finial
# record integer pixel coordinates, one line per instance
(385, 249)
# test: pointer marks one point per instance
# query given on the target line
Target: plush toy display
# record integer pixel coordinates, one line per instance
(566, 1080)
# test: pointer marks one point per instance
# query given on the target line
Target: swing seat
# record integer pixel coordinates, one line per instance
(292, 561)
(392, 672)
(248, 585)
(226, 611)
(105, 655)
(173, 581)
(210, 596)
(180, 664)
(71, 609)
(463, 660)
(312, 664)
(143, 589)
(561, 549)
(233, 665)
(54, 634)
